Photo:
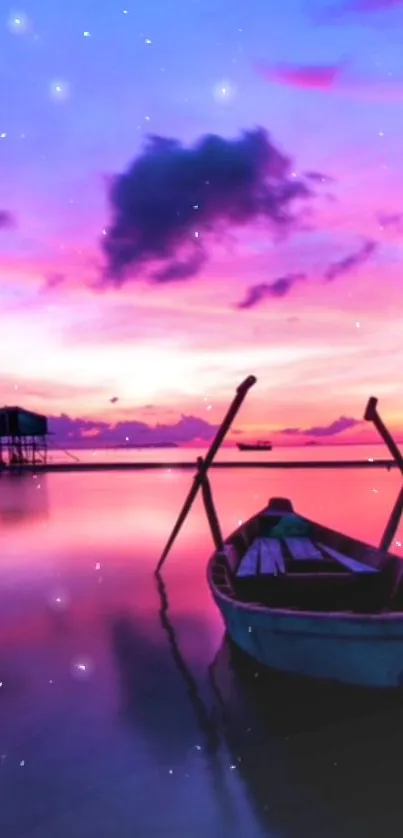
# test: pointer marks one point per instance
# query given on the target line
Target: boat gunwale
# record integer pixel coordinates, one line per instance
(343, 616)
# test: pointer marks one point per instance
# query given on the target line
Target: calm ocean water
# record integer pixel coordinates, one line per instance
(105, 733)
(170, 455)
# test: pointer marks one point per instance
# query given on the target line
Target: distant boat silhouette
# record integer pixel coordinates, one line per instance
(260, 445)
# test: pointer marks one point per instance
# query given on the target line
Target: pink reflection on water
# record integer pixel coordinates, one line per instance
(90, 542)
(89, 687)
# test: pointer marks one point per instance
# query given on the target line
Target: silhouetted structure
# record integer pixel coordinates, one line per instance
(23, 437)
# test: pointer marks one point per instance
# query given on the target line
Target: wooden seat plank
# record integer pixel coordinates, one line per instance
(303, 548)
(271, 557)
(249, 563)
(346, 561)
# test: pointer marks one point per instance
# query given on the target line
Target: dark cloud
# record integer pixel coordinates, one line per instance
(313, 77)
(81, 432)
(278, 288)
(7, 220)
(318, 177)
(343, 423)
(349, 263)
(177, 270)
(171, 198)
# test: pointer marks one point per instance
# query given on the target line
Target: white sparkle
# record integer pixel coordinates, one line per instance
(148, 41)
(381, 133)
(18, 23)
(358, 324)
(147, 118)
(196, 235)
(3, 135)
(82, 667)
(98, 566)
(59, 600)
(22, 763)
(87, 34)
(224, 91)
(59, 89)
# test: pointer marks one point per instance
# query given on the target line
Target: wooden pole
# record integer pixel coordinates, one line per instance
(209, 506)
(371, 415)
(214, 447)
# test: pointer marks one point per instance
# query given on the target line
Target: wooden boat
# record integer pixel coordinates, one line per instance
(301, 598)
(318, 604)
(257, 446)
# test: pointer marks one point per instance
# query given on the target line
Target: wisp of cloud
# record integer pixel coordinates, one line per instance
(349, 263)
(256, 294)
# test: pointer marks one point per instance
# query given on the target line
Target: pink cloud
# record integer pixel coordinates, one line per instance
(320, 77)
(332, 78)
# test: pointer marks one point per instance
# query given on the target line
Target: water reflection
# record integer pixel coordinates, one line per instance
(22, 497)
(105, 695)
(327, 760)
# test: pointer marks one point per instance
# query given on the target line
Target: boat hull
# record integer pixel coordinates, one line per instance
(365, 650)
(243, 446)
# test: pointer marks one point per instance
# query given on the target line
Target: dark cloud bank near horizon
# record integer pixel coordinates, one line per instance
(343, 423)
(171, 197)
(85, 433)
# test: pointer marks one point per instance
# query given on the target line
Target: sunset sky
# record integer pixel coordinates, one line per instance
(142, 280)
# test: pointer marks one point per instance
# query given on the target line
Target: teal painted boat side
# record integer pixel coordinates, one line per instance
(365, 650)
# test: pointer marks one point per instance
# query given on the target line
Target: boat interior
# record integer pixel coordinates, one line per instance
(281, 560)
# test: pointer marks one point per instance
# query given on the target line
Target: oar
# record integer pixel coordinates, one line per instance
(371, 415)
(215, 445)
